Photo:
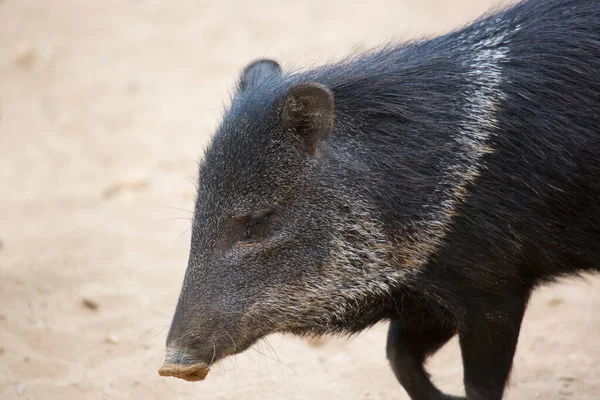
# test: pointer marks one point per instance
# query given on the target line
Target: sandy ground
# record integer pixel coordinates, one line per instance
(105, 106)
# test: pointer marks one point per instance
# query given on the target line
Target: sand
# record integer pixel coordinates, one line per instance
(105, 107)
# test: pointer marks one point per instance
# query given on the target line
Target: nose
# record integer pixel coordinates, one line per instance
(190, 372)
(193, 342)
(187, 362)
(197, 342)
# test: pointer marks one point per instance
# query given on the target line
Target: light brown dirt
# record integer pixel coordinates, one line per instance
(190, 373)
(105, 106)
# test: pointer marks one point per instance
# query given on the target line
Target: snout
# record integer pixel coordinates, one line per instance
(190, 360)
(192, 347)
(190, 357)
(198, 338)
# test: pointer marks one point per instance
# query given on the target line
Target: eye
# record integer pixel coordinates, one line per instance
(256, 225)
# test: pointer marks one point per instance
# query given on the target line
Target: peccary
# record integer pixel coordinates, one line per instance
(433, 184)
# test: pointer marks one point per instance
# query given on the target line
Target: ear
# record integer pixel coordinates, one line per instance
(308, 113)
(257, 71)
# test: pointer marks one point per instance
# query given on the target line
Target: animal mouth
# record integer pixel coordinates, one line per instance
(191, 372)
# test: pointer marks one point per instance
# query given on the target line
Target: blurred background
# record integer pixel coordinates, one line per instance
(105, 107)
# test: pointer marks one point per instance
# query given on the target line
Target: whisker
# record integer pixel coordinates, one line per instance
(234, 371)
(234, 343)
(279, 362)
(262, 354)
(137, 346)
(184, 232)
(172, 208)
(183, 356)
(223, 376)
(266, 361)
(153, 356)
(158, 313)
(170, 219)
(214, 352)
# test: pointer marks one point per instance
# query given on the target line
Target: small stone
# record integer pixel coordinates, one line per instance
(26, 359)
(25, 55)
(566, 378)
(41, 324)
(2, 350)
(133, 86)
(2, 317)
(111, 339)
(90, 303)
(135, 185)
(316, 341)
(112, 190)
(555, 301)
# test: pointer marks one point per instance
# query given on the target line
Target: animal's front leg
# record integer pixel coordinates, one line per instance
(488, 341)
(408, 345)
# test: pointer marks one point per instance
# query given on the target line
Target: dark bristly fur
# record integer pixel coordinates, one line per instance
(432, 184)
